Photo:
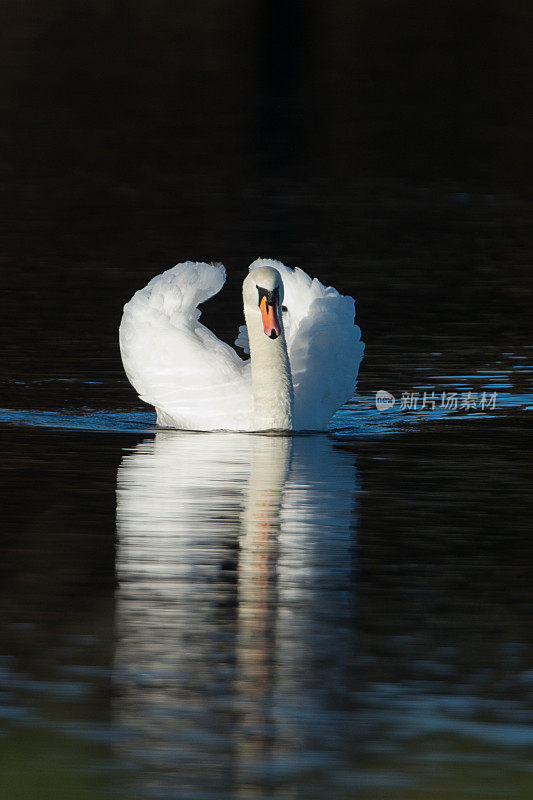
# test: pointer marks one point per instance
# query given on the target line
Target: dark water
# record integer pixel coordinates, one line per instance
(203, 616)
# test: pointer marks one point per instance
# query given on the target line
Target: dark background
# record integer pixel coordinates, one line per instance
(383, 146)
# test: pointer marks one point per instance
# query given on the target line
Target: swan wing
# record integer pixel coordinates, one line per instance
(323, 343)
(192, 378)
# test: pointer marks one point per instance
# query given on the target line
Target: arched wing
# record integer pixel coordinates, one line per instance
(323, 343)
(175, 363)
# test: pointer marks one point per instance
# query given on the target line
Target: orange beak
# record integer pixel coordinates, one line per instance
(270, 319)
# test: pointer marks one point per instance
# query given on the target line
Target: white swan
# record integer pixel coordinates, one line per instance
(304, 350)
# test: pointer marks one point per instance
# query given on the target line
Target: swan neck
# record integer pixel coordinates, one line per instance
(271, 378)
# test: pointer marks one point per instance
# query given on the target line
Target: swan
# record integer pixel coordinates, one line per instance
(303, 344)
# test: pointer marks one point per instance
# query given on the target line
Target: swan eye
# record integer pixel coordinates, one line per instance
(284, 308)
(271, 295)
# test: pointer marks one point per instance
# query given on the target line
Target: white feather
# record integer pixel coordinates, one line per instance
(175, 363)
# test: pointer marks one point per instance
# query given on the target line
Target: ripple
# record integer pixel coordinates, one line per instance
(86, 419)
(358, 418)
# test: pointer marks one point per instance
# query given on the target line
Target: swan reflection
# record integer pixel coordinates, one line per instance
(234, 560)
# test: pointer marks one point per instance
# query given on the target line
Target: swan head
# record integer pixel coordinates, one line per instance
(262, 292)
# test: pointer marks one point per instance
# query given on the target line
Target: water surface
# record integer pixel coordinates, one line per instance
(276, 616)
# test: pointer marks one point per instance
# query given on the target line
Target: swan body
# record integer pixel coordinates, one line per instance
(304, 350)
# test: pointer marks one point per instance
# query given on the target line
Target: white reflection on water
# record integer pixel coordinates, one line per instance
(234, 559)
